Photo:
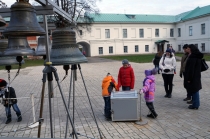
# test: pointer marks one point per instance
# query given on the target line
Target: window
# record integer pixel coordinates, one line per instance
(124, 33)
(180, 47)
(156, 32)
(146, 48)
(179, 32)
(107, 33)
(202, 28)
(111, 49)
(136, 48)
(141, 33)
(196, 45)
(202, 46)
(190, 30)
(80, 32)
(100, 49)
(125, 49)
(171, 32)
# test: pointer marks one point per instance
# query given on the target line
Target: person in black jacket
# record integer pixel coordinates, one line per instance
(192, 77)
(9, 92)
(156, 60)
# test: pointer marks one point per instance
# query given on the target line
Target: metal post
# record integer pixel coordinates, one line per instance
(33, 110)
(141, 122)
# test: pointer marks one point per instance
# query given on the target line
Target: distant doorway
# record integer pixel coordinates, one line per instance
(84, 48)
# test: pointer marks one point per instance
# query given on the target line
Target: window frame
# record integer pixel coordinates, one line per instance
(146, 48)
(107, 33)
(157, 32)
(136, 48)
(203, 47)
(125, 33)
(179, 32)
(110, 49)
(125, 49)
(100, 50)
(171, 32)
(141, 34)
(203, 29)
(190, 31)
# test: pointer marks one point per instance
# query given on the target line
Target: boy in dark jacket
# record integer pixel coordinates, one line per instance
(9, 92)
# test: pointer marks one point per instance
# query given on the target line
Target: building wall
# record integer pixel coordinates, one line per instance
(197, 37)
(96, 38)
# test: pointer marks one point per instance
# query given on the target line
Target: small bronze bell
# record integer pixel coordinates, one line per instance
(18, 46)
(23, 21)
(64, 50)
(6, 60)
(41, 48)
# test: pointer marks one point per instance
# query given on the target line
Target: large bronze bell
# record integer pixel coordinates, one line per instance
(2, 22)
(64, 50)
(41, 48)
(23, 21)
(6, 60)
(18, 46)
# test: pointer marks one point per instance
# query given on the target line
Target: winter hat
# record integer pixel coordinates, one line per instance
(3, 83)
(125, 61)
(150, 72)
(168, 50)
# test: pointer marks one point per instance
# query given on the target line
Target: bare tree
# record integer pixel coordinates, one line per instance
(2, 4)
(79, 12)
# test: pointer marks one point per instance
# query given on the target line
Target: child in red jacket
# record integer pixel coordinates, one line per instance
(126, 77)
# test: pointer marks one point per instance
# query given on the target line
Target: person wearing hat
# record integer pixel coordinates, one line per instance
(168, 64)
(182, 70)
(9, 92)
(108, 84)
(149, 91)
(126, 77)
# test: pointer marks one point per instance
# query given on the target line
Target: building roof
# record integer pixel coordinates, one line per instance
(147, 18)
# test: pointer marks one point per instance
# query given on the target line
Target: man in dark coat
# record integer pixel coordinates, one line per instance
(9, 92)
(192, 78)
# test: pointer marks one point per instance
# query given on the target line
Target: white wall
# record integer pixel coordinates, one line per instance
(96, 37)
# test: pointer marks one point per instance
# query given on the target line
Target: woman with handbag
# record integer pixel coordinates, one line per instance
(192, 78)
(168, 64)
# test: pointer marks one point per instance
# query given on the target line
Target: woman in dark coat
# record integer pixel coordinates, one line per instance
(192, 78)
(156, 60)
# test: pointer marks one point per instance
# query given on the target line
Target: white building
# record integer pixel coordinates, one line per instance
(119, 34)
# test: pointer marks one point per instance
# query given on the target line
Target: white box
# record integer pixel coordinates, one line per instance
(124, 105)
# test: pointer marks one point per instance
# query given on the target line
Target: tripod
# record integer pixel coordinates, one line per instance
(73, 78)
(48, 73)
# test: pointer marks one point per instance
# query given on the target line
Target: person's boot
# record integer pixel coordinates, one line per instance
(166, 95)
(19, 118)
(9, 119)
(169, 95)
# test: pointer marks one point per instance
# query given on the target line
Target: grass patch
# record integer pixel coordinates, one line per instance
(28, 63)
(143, 58)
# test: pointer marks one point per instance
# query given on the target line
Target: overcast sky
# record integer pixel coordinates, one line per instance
(163, 7)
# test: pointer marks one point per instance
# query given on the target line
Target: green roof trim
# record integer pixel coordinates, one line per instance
(161, 41)
(146, 18)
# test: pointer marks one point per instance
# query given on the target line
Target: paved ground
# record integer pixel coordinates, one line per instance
(175, 120)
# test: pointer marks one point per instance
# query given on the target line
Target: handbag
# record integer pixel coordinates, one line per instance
(204, 66)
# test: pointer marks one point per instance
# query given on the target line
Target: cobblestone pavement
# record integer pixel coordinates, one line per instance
(175, 120)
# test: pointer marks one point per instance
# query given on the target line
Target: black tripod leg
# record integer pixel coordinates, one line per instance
(42, 103)
(50, 79)
(57, 80)
(67, 122)
(90, 101)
